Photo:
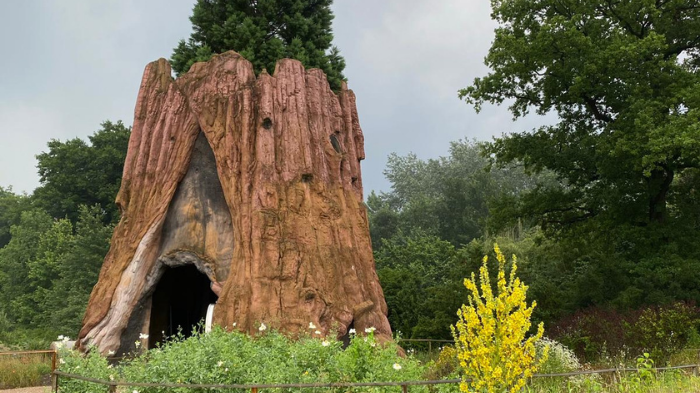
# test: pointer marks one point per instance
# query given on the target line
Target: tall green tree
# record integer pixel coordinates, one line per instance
(263, 31)
(74, 173)
(623, 77)
(49, 268)
(77, 271)
(450, 197)
(17, 284)
(11, 207)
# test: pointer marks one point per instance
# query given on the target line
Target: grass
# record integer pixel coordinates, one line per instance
(23, 371)
(667, 382)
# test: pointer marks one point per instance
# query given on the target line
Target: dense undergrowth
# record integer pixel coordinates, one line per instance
(220, 357)
(18, 372)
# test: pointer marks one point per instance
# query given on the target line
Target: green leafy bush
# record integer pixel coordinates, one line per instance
(596, 333)
(664, 330)
(221, 357)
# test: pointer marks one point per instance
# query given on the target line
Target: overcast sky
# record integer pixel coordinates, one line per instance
(68, 65)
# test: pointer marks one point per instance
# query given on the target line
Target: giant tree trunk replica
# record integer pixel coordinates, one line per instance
(253, 183)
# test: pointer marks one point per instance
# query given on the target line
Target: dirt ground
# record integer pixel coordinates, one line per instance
(38, 389)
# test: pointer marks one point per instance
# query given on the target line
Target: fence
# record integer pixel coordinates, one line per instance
(429, 341)
(254, 388)
(19, 355)
(44, 354)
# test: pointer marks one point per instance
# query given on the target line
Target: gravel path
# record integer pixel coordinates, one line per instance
(38, 389)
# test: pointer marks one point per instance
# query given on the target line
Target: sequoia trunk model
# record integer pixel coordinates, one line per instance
(255, 182)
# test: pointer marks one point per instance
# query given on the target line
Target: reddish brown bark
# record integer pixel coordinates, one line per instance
(300, 250)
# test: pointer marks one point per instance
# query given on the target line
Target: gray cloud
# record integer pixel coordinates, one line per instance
(72, 64)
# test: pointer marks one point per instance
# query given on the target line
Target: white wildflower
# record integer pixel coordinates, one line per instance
(352, 331)
(226, 369)
(262, 327)
(60, 338)
(397, 366)
(234, 324)
(137, 343)
(135, 391)
(220, 363)
(62, 361)
(318, 332)
(110, 353)
(143, 336)
(111, 377)
(311, 325)
(370, 329)
(325, 343)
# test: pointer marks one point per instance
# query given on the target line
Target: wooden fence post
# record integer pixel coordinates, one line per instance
(112, 388)
(54, 377)
(54, 382)
(404, 388)
(696, 370)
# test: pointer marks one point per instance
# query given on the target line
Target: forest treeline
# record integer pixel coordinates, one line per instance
(429, 232)
(53, 241)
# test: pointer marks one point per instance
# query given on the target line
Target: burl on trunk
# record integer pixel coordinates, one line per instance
(250, 186)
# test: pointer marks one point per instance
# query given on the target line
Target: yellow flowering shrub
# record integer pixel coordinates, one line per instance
(490, 335)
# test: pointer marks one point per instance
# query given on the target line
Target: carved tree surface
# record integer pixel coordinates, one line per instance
(279, 223)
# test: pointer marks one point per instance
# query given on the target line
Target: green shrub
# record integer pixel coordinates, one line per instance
(221, 357)
(597, 333)
(663, 331)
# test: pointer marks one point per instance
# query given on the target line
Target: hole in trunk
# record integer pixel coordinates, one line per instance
(180, 302)
(336, 143)
(346, 337)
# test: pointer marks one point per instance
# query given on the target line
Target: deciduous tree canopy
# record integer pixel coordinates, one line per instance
(623, 78)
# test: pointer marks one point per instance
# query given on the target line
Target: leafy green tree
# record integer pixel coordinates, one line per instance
(75, 173)
(11, 207)
(421, 276)
(623, 78)
(16, 285)
(78, 270)
(450, 197)
(263, 31)
(49, 268)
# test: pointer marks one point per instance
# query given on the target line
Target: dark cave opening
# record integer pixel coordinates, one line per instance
(346, 337)
(179, 303)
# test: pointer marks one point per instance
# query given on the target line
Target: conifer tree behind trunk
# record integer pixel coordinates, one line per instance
(263, 31)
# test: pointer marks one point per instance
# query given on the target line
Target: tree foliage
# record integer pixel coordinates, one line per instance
(11, 207)
(263, 31)
(49, 268)
(450, 197)
(74, 173)
(623, 78)
(53, 242)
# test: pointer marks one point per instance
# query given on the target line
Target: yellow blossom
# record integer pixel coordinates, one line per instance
(490, 335)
